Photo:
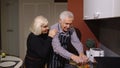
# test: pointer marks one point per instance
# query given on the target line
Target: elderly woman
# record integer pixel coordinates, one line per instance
(39, 43)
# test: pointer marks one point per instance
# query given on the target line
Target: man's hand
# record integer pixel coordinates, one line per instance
(75, 58)
(83, 58)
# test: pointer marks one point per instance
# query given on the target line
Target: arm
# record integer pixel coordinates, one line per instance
(59, 49)
(79, 47)
(76, 42)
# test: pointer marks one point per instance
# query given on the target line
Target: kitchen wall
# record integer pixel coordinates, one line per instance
(76, 6)
(107, 31)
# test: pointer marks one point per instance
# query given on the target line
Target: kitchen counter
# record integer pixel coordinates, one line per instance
(108, 62)
(11, 62)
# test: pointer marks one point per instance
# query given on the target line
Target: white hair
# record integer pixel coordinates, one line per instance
(66, 14)
(36, 26)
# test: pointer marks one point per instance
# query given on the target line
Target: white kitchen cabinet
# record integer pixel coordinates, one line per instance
(96, 9)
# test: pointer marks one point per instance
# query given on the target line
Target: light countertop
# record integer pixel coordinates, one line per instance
(15, 62)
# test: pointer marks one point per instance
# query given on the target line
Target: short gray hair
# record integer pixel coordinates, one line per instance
(39, 21)
(66, 14)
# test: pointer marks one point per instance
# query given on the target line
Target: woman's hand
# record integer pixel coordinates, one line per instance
(52, 33)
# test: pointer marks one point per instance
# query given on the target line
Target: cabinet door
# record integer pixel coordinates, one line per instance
(9, 27)
(94, 9)
(117, 8)
(58, 8)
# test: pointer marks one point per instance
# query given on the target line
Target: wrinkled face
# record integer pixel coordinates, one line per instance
(44, 29)
(66, 23)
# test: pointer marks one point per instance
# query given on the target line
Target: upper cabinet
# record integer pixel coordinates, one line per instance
(95, 9)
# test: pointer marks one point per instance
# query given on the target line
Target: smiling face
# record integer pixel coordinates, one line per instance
(66, 23)
(44, 29)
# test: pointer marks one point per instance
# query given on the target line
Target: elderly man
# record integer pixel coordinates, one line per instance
(66, 35)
